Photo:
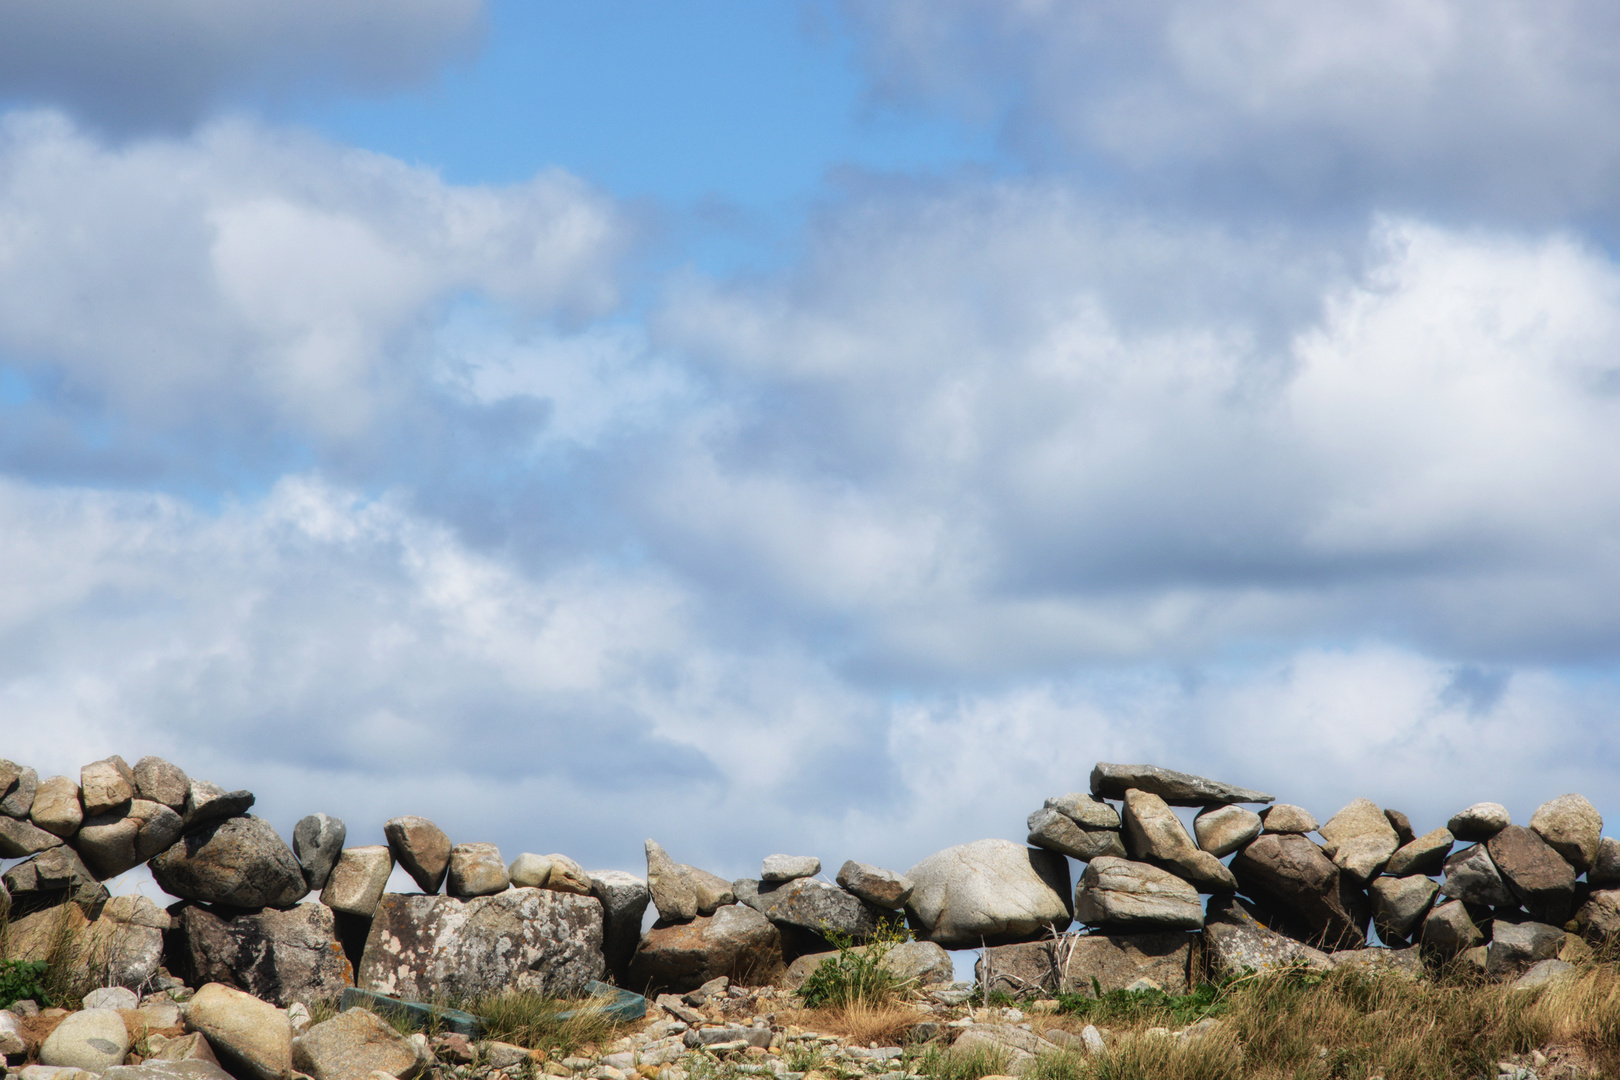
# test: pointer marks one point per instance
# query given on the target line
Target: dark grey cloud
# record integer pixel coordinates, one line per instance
(164, 64)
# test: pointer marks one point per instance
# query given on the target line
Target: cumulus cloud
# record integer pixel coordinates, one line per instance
(1442, 106)
(164, 64)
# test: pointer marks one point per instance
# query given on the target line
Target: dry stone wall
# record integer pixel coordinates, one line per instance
(1253, 883)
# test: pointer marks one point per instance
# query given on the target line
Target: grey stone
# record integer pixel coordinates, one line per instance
(1287, 818)
(56, 807)
(58, 869)
(239, 861)
(1360, 839)
(529, 871)
(1111, 781)
(1572, 827)
(1069, 963)
(421, 847)
(1381, 960)
(779, 868)
(989, 891)
(20, 800)
(351, 1046)
(1539, 877)
(1515, 947)
(106, 786)
(476, 870)
(207, 801)
(1599, 917)
(279, 956)
(819, 907)
(1424, 855)
(19, 839)
(1289, 870)
(884, 888)
(10, 772)
(1541, 973)
(1085, 810)
(1235, 941)
(158, 781)
(112, 997)
(1449, 930)
(107, 843)
(118, 942)
(919, 963)
(1606, 867)
(94, 1040)
(673, 892)
(252, 1038)
(736, 941)
(1019, 1047)
(1479, 822)
(317, 843)
(1154, 834)
(1399, 904)
(160, 1068)
(160, 827)
(569, 877)
(533, 940)
(1119, 893)
(711, 890)
(357, 882)
(624, 899)
(1058, 832)
(12, 1042)
(1221, 830)
(1472, 876)
(187, 1048)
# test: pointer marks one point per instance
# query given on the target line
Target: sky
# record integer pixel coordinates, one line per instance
(820, 426)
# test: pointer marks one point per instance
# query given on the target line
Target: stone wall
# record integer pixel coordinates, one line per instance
(1253, 883)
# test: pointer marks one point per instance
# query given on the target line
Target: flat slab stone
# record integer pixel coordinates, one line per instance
(1121, 893)
(1110, 781)
(1069, 963)
(778, 868)
(875, 885)
(1058, 832)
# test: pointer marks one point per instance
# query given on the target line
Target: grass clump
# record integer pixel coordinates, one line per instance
(1141, 1006)
(534, 1021)
(856, 975)
(946, 1063)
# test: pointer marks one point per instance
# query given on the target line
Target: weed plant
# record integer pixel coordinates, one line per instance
(856, 975)
(21, 979)
(533, 1021)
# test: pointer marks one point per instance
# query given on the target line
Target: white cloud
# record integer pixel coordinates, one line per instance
(166, 63)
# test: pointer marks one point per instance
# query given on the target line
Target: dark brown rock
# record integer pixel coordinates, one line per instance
(279, 956)
(1069, 963)
(1539, 877)
(1290, 871)
(19, 839)
(736, 941)
(239, 862)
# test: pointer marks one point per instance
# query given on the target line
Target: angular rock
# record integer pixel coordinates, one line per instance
(711, 890)
(989, 891)
(12, 1042)
(160, 827)
(275, 955)
(1058, 832)
(422, 848)
(317, 843)
(1111, 781)
(533, 940)
(161, 1068)
(780, 868)
(1515, 947)
(56, 807)
(567, 876)
(1599, 918)
(1085, 810)
(1402, 826)
(819, 907)
(357, 882)
(1235, 941)
(1572, 827)
(239, 862)
(1287, 818)
(1154, 834)
(1378, 960)
(1606, 867)
(252, 1038)
(1479, 822)
(1068, 964)
(107, 843)
(1449, 930)
(884, 888)
(1539, 877)
(918, 963)
(673, 892)
(118, 942)
(20, 800)
(351, 1046)
(1360, 839)
(624, 899)
(158, 781)
(1471, 876)
(1291, 871)
(1424, 855)
(94, 1040)
(41, 880)
(10, 772)
(736, 941)
(1019, 1047)
(1221, 830)
(206, 801)
(106, 786)
(1541, 973)
(529, 871)
(476, 870)
(1399, 905)
(19, 839)
(188, 1048)
(1120, 893)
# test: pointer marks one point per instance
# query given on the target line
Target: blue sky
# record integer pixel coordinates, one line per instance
(824, 427)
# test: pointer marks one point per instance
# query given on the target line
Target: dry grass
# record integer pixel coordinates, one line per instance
(533, 1021)
(860, 1022)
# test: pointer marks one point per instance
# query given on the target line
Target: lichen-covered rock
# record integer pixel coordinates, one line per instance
(427, 947)
(280, 956)
(989, 891)
(358, 881)
(240, 862)
(819, 907)
(1154, 834)
(674, 893)
(736, 941)
(1070, 962)
(779, 868)
(1235, 941)
(919, 963)
(1085, 810)
(1360, 839)
(1121, 893)
(884, 888)
(106, 786)
(158, 781)
(1572, 827)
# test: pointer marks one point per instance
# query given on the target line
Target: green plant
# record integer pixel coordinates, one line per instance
(857, 974)
(21, 979)
(534, 1021)
(1178, 1010)
(944, 1063)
